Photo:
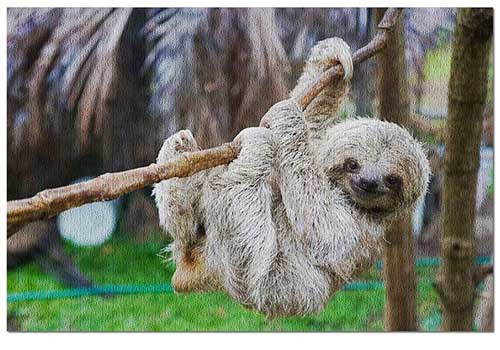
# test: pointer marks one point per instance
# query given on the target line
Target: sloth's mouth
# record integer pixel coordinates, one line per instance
(360, 203)
(375, 212)
(365, 193)
(359, 198)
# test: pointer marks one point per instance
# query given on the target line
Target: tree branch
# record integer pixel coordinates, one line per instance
(51, 202)
(109, 186)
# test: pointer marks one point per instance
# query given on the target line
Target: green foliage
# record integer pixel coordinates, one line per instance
(491, 180)
(122, 262)
(437, 67)
(438, 63)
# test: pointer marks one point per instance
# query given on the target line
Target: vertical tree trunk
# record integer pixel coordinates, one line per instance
(466, 97)
(399, 269)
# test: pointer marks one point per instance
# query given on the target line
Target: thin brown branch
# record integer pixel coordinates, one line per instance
(51, 202)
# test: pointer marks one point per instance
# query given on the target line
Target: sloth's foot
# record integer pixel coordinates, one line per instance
(180, 142)
(190, 274)
(183, 141)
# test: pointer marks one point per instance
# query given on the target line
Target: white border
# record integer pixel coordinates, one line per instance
(222, 340)
(250, 3)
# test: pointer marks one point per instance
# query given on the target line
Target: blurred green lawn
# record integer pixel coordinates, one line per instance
(122, 262)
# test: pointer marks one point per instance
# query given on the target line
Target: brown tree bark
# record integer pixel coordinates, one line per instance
(466, 98)
(399, 269)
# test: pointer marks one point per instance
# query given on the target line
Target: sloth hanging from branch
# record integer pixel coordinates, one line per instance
(299, 211)
(303, 208)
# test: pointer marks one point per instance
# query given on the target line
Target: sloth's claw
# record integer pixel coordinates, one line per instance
(331, 51)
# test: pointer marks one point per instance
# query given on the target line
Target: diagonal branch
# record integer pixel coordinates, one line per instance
(51, 202)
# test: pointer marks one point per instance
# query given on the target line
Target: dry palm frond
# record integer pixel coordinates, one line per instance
(217, 72)
(95, 90)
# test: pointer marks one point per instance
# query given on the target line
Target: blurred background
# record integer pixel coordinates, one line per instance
(98, 90)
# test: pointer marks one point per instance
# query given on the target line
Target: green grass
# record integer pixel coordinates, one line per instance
(122, 262)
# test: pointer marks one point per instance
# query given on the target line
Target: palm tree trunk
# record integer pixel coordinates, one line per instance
(399, 270)
(466, 98)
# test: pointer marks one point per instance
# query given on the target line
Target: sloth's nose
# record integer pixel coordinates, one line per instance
(368, 184)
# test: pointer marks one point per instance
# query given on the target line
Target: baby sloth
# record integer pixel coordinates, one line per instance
(303, 208)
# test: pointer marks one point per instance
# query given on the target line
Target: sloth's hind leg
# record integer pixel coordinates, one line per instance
(178, 205)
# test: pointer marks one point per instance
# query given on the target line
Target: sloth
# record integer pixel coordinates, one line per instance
(303, 208)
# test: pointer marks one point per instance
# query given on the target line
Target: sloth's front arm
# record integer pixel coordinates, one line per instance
(322, 111)
(316, 210)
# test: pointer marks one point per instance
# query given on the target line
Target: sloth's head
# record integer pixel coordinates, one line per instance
(379, 165)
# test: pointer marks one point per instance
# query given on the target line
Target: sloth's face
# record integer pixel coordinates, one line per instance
(369, 186)
(378, 165)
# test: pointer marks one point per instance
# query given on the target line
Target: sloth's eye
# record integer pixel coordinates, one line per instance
(351, 165)
(393, 181)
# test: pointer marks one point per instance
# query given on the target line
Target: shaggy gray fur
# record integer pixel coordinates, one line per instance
(281, 228)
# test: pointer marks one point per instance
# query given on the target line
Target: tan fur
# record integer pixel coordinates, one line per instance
(281, 228)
